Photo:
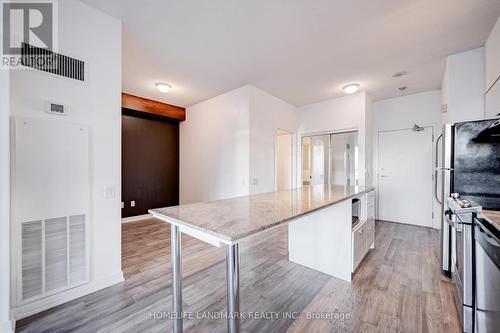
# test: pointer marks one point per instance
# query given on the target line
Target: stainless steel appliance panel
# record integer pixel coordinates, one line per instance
(476, 164)
(445, 170)
(487, 258)
(463, 269)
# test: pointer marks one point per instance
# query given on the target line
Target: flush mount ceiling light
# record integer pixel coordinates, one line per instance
(351, 88)
(163, 87)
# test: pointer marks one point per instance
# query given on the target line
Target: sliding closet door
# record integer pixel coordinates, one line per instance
(319, 152)
(344, 158)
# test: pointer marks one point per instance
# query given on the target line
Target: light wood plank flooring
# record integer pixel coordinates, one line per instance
(398, 288)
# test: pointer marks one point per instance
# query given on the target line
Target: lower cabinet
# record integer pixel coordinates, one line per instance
(363, 239)
(370, 234)
(358, 246)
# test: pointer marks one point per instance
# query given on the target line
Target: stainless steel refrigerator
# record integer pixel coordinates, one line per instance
(470, 166)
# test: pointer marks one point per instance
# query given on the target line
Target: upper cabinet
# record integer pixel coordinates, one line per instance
(463, 86)
(492, 55)
(492, 72)
(492, 102)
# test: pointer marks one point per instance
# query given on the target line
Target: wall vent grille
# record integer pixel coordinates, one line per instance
(51, 62)
(53, 255)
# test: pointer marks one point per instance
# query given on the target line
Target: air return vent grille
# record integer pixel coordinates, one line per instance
(51, 62)
(53, 255)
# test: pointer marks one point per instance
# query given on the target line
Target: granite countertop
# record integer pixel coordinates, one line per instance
(230, 220)
(493, 215)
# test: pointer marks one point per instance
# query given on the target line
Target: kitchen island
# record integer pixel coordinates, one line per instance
(320, 232)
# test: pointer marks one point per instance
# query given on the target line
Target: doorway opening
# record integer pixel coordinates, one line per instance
(150, 179)
(330, 159)
(284, 158)
(150, 162)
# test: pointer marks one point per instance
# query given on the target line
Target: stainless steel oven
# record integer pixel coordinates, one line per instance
(487, 258)
(460, 217)
(463, 269)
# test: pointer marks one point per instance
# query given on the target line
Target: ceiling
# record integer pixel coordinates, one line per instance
(300, 51)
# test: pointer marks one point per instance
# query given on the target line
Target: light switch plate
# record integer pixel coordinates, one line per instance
(132, 203)
(109, 192)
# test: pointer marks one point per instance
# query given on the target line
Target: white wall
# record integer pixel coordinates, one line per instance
(369, 141)
(5, 324)
(214, 148)
(445, 94)
(284, 153)
(423, 109)
(464, 86)
(228, 144)
(335, 115)
(94, 37)
(267, 114)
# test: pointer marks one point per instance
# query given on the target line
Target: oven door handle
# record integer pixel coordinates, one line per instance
(450, 218)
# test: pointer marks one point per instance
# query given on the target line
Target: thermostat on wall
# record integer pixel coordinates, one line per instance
(56, 108)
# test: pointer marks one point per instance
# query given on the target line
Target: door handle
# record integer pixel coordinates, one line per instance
(436, 170)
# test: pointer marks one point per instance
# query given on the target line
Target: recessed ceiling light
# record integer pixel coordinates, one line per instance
(163, 87)
(351, 88)
(399, 74)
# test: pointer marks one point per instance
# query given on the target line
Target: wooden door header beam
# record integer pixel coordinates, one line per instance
(153, 107)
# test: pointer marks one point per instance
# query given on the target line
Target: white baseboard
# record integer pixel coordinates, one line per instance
(6, 327)
(136, 218)
(43, 304)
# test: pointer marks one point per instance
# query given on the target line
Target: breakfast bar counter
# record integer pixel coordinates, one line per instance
(322, 210)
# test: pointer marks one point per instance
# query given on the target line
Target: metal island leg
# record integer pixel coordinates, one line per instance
(175, 238)
(233, 288)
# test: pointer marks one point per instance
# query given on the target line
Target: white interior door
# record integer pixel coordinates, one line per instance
(405, 176)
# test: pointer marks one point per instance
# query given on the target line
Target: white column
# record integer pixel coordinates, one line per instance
(5, 324)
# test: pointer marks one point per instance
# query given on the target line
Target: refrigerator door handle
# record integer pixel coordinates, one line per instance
(444, 169)
(436, 170)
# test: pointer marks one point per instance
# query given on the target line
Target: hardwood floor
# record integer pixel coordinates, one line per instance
(398, 288)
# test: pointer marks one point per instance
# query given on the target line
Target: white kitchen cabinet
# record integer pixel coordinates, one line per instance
(492, 102)
(492, 57)
(370, 234)
(358, 246)
(363, 233)
(370, 206)
(492, 72)
(363, 239)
